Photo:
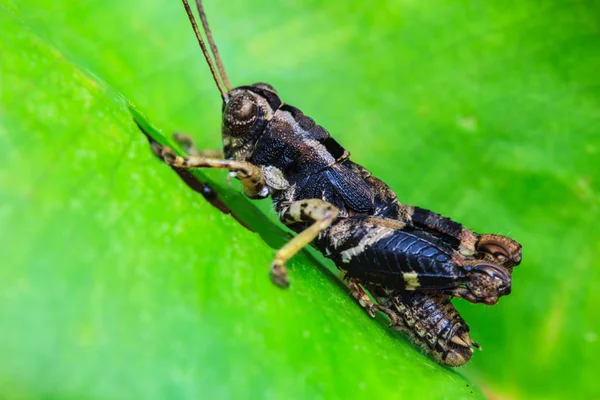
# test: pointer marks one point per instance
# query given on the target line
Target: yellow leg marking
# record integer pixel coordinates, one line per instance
(319, 211)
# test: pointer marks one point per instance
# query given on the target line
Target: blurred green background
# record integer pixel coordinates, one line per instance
(119, 282)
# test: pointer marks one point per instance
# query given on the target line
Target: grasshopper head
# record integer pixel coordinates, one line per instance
(489, 278)
(245, 115)
(501, 249)
(488, 282)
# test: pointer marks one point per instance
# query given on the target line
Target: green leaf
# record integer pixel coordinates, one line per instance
(487, 112)
(120, 282)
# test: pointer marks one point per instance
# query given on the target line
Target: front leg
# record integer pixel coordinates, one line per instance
(250, 175)
(315, 211)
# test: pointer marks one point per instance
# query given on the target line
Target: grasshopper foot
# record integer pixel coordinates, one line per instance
(393, 316)
(186, 142)
(279, 275)
(163, 152)
(362, 297)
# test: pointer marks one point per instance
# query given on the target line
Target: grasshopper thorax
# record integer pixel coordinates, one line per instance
(246, 113)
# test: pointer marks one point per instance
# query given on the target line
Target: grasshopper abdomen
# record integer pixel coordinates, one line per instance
(431, 322)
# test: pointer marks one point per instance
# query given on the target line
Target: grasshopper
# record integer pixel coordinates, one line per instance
(411, 259)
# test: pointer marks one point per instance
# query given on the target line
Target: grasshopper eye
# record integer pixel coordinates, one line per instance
(266, 86)
(500, 252)
(488, 282)
(496, 250)
(240, 114)
(504, 250)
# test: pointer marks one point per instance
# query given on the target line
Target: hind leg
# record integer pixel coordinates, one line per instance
(497, 248)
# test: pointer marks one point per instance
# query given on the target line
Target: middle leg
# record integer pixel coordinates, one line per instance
(319, 213)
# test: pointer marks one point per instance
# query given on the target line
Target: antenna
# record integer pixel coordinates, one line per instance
(217, 72)
(212, 44)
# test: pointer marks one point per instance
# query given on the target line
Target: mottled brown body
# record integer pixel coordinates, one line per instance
(409, 258)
